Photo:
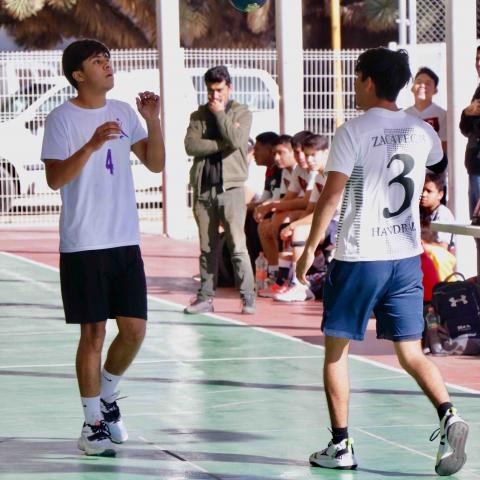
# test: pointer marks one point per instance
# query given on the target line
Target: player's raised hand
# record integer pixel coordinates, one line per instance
(148, 105)
(105, 132)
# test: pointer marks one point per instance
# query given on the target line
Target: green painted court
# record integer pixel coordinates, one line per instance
(207, 398)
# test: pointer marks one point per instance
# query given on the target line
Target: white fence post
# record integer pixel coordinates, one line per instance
(290, 64)
(461, 83)
(174, 88)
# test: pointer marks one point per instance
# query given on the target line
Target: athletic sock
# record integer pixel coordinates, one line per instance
(339, 434)
(283, 271)
(109, 386)
(443, 408)
(91, 409)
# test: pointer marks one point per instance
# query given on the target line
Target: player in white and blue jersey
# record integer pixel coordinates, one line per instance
(377, 163)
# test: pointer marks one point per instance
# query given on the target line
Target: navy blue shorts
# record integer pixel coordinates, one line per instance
(391, 289)
(101, 284)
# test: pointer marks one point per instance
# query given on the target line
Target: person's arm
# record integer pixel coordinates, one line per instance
(150, 150)
(195, 145)
(234, 129)
(306, 219)
(291, 201)
(61, 172)
(323, 214)
(470, 114)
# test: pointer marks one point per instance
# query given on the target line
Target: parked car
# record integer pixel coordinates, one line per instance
(22, 175)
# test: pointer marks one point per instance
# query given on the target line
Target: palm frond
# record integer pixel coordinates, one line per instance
(22, 9)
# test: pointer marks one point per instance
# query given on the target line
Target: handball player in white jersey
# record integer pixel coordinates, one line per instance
(377, 162)
(86, 151)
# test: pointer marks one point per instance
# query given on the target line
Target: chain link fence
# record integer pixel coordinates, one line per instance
(431, 26)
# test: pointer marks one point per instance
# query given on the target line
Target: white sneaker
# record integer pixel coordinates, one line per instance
(451, 454)
(95, 440)
(296, 293)
(112, 417)
(339, 456)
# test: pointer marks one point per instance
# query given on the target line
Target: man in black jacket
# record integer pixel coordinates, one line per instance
(470, 127)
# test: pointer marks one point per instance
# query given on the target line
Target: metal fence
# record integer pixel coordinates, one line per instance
(31, 85)
(430, 21)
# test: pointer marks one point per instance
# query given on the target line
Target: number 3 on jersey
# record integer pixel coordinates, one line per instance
(406, 182)
(109, 161)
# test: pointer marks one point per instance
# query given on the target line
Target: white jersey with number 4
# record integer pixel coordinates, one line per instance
(98, 206)
(384, 154)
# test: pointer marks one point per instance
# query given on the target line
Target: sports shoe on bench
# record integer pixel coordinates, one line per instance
(296, 293)
(112, 417)
(271, 289)
(337, 455)
(95, 440)
(453, 433)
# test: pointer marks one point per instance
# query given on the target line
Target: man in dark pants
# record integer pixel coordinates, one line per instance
(217, 138)
(470, 127)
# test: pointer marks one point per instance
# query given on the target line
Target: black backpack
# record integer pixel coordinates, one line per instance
(458, 304)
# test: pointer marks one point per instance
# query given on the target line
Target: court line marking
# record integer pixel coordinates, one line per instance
(395, 444)
(178, 457)
(174, 360)
(404, 447)
(260, 329)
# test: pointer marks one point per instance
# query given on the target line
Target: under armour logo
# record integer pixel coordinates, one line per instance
(453, 301)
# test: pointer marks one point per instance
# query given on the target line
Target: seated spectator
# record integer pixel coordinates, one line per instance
(432, 210)
(295, 205)
(263, 156)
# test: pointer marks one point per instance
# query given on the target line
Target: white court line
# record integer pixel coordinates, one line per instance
(265, 330)
(172, 360)
(23, 278)
(411, 450)
(398, 445)
(174, 456)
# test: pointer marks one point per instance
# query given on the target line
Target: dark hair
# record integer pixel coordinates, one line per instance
(438, 179)
(284, 140)
(429, 72)
(299, 138)
(315, 141)
(267, 138)
(77, 52)
(217, 75)
(388, 69)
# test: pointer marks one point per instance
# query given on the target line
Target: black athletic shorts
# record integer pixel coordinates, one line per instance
(101, 284)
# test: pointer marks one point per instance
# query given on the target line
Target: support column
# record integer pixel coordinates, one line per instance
(176, 91)
(289, 28)
(461, 82)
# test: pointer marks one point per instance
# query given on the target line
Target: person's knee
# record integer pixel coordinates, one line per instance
(134, 332)
(92, 336)
(264, 229)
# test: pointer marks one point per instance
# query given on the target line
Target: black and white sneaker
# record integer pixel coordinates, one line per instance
(453, 433)
(112, 417)
(336, 455)
(95, 440)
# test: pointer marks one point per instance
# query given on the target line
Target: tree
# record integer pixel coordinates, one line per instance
(43, 24)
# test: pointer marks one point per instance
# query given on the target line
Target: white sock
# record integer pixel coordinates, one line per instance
(109, 386)
(91, 409)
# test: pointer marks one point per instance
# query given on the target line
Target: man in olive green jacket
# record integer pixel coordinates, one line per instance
(217, 138)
